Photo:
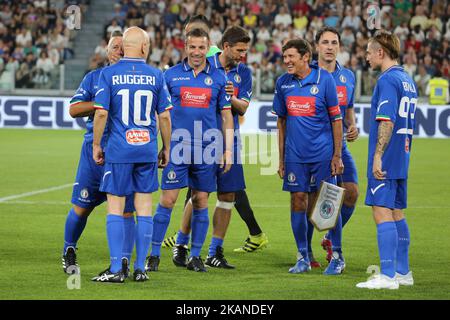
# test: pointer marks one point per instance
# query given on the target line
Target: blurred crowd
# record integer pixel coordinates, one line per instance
(34, 41)
(422, 26)
(34, 38)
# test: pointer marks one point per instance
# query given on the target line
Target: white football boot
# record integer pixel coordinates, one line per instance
(379, 281)
(404, 279)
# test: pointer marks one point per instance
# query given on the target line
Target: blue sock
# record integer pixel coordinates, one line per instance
(182, 238)
(310, 235)
(215, 242)
(387, 247)
(299, 226)
(161, 222)
(336, 236)
(114, 232)
(403, 247)
(128, 237)
(346, 213)
(73, 230)
(144, 230)
(200, 224)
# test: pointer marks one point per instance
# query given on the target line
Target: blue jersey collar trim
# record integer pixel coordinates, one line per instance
(218, 65)
(125, 59)
(394, 67)
(187, 67)
(312, 78)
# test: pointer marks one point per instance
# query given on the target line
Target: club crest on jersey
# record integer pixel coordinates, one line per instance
(342, 78)
(314, 90)
(208, 81)
(291, 177)
(237, 78)
(84, 193)
(327, 209)
(171, 175)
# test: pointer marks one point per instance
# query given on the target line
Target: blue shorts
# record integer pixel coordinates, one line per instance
(232, 181)
(200, 177)
(86, 189)
(123, 179)
(306, 177)
(389, 193)
(350, 174)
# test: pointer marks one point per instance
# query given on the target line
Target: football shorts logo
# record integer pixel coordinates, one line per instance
(171, 175)
(208, 81)
(84, 193)
(407, 145)
(291, 177)
(327, 209)
(237, 78)
(314, 90)
(342, 78)
(137, 136)
(312, 181)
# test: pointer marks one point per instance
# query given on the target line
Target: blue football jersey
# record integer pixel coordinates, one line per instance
(86, 92)
(345, 86)
(196, 99)
(394, 99)
(309, 106)
(241, 76)
(132, 92)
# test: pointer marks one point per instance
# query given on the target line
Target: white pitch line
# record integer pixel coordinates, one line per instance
(32, 193)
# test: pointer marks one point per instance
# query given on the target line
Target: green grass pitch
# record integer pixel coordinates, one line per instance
(31, 233)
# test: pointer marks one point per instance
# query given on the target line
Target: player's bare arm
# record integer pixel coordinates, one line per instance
(384, 136)
(337, 166)
(281, 125)
(100, 118)
(165, 126)
(82, 109)
(350, 121)
(228, 133)
(238, 105)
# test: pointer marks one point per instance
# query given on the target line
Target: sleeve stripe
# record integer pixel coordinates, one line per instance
(74, 102)
(98, 106)
(338, 118)
(245, 99)
(227, 107)
(169, 107)
(382, 118)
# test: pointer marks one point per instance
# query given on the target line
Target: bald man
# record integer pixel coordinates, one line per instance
(130, 95)
(86, 195)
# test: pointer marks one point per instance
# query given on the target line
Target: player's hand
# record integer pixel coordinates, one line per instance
(226, 161)
(337, 166)
(98, 155)
(352, 133)
(229, 88)
(163, 157)
(377, 170)
(281, 169)
(114, 58)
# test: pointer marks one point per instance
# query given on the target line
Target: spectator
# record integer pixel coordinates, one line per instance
(347, 37)
(44, 66)
(25, 73)
(301, 21)
(263, 33)
(421, 79)
(419, 18)
(114, 26)
(250, 20)
(23, 36)
(283, 17)
(351, 20)
(254, 56)
(428, 63)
